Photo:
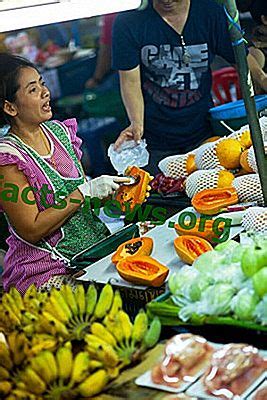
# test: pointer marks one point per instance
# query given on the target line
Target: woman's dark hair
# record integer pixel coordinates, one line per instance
(10, 66)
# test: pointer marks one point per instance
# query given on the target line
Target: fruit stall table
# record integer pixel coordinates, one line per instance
(136, 296)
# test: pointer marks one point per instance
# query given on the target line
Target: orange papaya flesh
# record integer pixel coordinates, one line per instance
(142, 270)
(189, 247)
(141, 246)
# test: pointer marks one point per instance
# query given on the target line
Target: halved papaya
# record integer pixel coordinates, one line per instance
(142, 270)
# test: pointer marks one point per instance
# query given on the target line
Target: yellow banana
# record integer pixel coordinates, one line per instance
(80, 367)
(20, 394)
(91, 300)
(18, 344)
(48, 344)
(61, 301)
(113, 372)
(13, 319)
(95, 364)
(33, 381)
(114, 327)
(64, 362)
(102, 351)
(17, 297)
(104, 302)
(126, 324)
(4, 373)
(5, 356)
(90, 338)
(54, 308)
(27, 317)
(60, 328)
(116, 305)
(101, 331)
(94, 384)
(69, 297)
(109, 356)
(51, 362)
(80, 299)
(42, 368)
(5, 388)
(140, 326)
(9, 300)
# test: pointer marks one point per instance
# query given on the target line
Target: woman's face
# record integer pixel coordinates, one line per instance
(32, 98)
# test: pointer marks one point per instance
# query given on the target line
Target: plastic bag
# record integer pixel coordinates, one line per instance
(129, 153)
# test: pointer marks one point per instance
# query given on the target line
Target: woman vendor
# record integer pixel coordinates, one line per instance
(41, 160)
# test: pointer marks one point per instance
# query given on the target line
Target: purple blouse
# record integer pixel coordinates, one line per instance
(25, 263)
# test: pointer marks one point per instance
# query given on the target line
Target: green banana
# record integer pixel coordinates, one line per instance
(69, 298)
(104, 302)
(80, 299)
(91, 300)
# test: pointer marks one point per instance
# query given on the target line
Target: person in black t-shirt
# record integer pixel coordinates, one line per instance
(163, 55)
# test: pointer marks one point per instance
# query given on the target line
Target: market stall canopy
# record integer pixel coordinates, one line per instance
(21, 14)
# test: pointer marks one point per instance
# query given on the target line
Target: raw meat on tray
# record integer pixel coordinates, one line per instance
(185, 355)
(233, 369)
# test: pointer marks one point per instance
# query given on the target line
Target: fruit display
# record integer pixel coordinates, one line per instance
(137, 193)
(179, 166)
(211, 201)
(227, 285)
(142, 270)
(166, 185)
(65, 344)
(208, 179)
(222, 163)
(189, 247)
(141, 246)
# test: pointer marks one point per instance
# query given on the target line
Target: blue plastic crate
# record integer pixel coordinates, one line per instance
(236, 109)
(73, 75)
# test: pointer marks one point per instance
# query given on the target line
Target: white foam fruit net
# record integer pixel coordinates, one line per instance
(206, 157)
(201, 180)
(248, 189)
(252, 160)
(255, 219)
(174, 166)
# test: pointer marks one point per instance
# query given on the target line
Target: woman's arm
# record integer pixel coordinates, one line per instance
(31, 224)
(132, 96)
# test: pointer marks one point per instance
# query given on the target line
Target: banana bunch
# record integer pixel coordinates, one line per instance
(116, 341)
(61, 375)
(69, 314)
(20, 312)
(38, 360)
(13, 356)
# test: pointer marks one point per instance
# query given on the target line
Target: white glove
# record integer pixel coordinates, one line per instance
(101, 186)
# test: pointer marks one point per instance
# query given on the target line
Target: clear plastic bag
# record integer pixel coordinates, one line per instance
(129, 153)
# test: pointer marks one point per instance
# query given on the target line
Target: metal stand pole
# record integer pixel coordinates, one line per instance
(248, 93)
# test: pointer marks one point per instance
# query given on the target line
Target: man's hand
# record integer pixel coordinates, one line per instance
(132, 132)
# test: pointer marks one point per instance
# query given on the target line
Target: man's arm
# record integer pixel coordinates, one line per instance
(259, 77)
(132, 96)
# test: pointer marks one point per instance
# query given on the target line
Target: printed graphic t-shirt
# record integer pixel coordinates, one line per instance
(177, 92)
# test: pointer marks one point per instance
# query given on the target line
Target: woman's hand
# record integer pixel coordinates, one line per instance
(102, 186)
(132, 132)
